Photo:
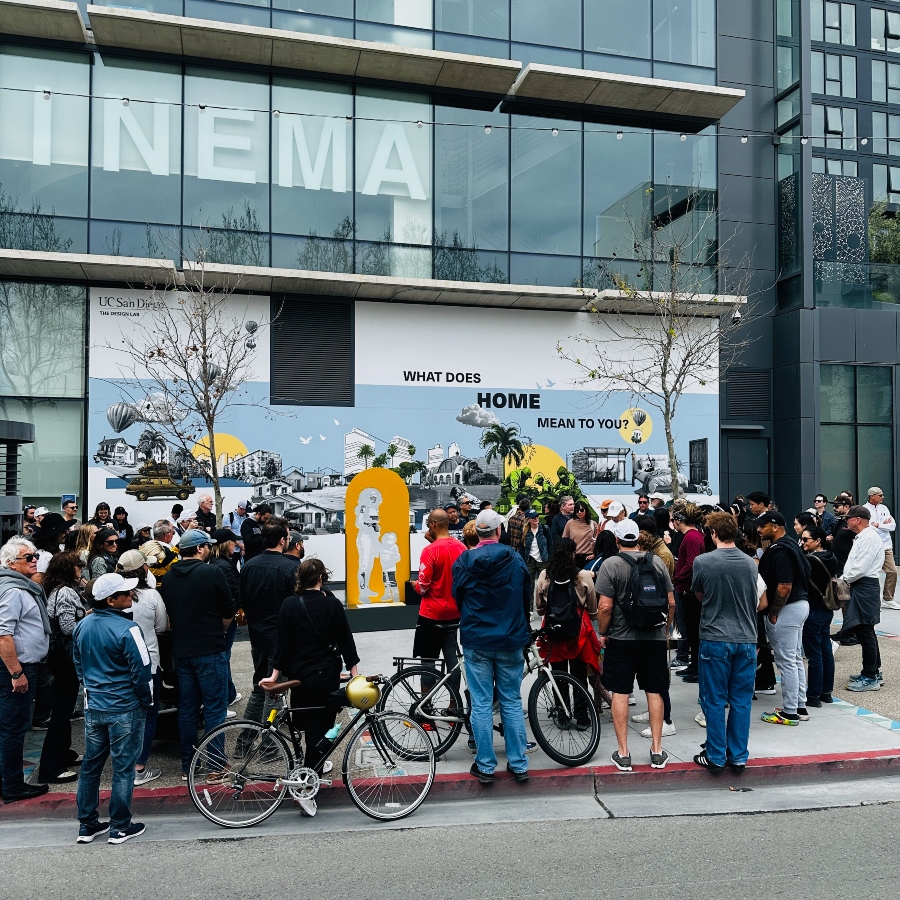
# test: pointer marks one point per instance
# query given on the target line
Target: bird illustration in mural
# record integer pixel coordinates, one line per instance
(336, 422)
(321, 437)
(550, 383)
(538, 385)
(305, 440)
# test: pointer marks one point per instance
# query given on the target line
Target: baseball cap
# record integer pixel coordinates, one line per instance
(531, 514)
(488, 520)
(131, 560)
(221, 535)
(141, 526)
(187, 515)
(614, 509)
(770, 518)
(869, 493)
(112, 583)
(860, 512)
(243, 504)
(194, 537)
(41, 511)
(296, 537)
(657, 497)
(604, 506)
(626, 531)
(841, 500)
(28, 506)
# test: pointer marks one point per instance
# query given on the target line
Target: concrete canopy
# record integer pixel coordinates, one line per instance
(52, 20)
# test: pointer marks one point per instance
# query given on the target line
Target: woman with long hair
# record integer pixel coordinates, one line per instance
(689, 522)
(124, 531)
(65, 609)
(83, 539)
(582, 529)
(578, 654)
(149, 612)
(817, 627)
(102, 517)
(102, 558)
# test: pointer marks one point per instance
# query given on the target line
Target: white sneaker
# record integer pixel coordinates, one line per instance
(667, 729)
(631, 700)
(700, 719)
(230, 714)
(890, 604)
(145, 775)
(641, 717)
(238, 696)
(307, 807)
(329, 765)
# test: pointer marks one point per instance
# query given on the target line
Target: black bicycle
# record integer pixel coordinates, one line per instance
(561, 711)
(242, 770)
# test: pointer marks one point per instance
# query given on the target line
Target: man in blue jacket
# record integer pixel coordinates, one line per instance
(113, 663)
(493, 591)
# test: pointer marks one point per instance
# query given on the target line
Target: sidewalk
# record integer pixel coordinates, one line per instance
(859, 733)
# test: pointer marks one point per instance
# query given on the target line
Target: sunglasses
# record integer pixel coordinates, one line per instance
(643, 502)
(111, 541)
(28, 557)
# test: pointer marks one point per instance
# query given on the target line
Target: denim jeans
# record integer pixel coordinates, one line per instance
(727, 674)
(15, 720)
(116, 734)
(201, 680)
(229, 644)
(820, 656)
(152, 718)
(484, 670)
(786, 638)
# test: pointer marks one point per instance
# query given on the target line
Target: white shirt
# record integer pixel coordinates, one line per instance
(866, 556)
(149, 612)
(882, 516)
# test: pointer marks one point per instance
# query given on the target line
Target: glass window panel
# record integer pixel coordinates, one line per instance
(817, 72)
(838, 444)
(485, 18)
(312, 254)
(42, 339)
(412, 13)
(394, 34)
(550, 56)
(623, 65)
(876, 459)
(690, 74)
(546, 221)
(152, 241)
(475, 46)
(879, 81)
(684, 31)
(312, 24)
(818, 164)
(342, 8)
(167, 7)
(848, 24)
(557, 24)
(560, 271)
(878, 26)
(817, 19)
(785, 17)
(818, 125)
(43, 136)
(788, 107)
(471, 179)
(393, 167)
(226, 150)
(136, 149)
(611, 26)
(874, 394)
(464, 264)
(617, 191)
(52, 465)
(879, 133)
(879, 184)
(837, 394)
(227, 12)
(848, 76)
(312, 146)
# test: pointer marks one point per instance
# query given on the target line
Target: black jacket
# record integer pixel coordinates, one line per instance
(304, 637)
(822, 569)
(251, 535)
(206, 521)
(229, 570)
(197, 599)
(842, 542)
(265, 581)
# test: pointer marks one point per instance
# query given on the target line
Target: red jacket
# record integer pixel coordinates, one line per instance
(435, 581)
(692, 545)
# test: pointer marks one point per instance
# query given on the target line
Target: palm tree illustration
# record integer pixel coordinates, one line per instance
(502, 442)
(366, 452)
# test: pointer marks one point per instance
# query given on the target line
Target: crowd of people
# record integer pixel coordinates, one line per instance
(108, 606)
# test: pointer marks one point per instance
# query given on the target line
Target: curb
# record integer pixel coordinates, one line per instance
(461, 785)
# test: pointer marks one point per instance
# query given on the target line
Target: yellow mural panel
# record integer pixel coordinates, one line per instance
(377, 529)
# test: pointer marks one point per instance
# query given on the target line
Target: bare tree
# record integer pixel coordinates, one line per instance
(663, 327)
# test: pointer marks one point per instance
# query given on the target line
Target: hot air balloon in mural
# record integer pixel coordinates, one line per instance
(120, 416)
(251, 326)
(636, 436)
(213, 373)
(639, 417)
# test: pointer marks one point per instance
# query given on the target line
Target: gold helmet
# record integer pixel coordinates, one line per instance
(362, 694)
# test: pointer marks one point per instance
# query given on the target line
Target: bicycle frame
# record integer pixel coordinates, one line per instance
(415, 709)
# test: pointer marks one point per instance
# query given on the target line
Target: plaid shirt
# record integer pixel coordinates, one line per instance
(516, 529)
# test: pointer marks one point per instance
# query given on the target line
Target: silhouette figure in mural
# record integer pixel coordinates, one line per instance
(367, 542)
(390, 556)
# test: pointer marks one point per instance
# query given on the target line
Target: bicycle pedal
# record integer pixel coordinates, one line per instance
(325, 781)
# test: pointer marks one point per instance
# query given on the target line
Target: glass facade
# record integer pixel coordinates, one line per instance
(126, 157)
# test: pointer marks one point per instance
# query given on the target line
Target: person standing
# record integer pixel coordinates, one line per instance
(295, 551)
(643, 507)
(113, 663)
(200, 609)
(29, 525)
(688, 521)
(251, 531)
(492, 590)
(235, 519)
(724, 582)
(70, 514)
(124, 531)
(24, 642)
(785, 570)
(224, 558)
(466, 514)
(824, 514)
(102, 517)
(862, 613)
(102, 559)
(817, 627)
(536, 546)
(515, 526)
(841, 537)
(558, 525)
(206, 518)
(583, 530)
(633, 652)
(884, 525)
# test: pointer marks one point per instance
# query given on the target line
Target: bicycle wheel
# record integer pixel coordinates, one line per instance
(558, 721)
(406, 687)
(234, 773)
(388, 766)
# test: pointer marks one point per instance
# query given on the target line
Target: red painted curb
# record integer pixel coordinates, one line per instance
(459, 785)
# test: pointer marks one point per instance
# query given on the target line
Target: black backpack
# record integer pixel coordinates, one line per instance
(645, 604)
(563, 615)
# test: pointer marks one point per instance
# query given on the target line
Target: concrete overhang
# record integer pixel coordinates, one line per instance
(625, 92)
(138, 30)
(52, 20)
(88, 267)
(712, 306)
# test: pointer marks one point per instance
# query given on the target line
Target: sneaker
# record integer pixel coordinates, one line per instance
(659, 760)
(484, 777)
(890, 604)
(879, 678)
(145, 775)
(64, 777)
(86, 833)
(641, 717)
(126, 834)
(802, 713)
(700, 719)
(826, 698)
(531, 746)
(737, 768)
(779, 718)
(631, 700)
(678, 664)
(230, 714)
(766, 690)
(622, 763)
(668, 730)
(328, 767)
(521, 777)
(864, 684)
(219, 777)
(308, 808)
(814, 702)
(689, 677)
(237, 697)
(702, 760)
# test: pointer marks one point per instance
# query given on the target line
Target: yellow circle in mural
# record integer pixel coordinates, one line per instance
(541, 460)
(227, 446)
(637, 425)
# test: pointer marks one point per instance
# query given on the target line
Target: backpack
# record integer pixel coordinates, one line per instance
(563, 614)
(836, 593)
(645, 604)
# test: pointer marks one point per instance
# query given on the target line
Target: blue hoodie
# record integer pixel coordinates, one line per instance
(492, 588)
(112, 662)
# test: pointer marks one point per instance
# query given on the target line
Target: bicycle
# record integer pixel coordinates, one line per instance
(558, 704)
(388, 766)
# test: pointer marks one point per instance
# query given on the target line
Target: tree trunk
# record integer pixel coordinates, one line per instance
(214, 476)
(673, 462)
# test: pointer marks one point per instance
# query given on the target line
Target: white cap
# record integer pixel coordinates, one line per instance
(41, 511)
(626, 530)
(187, 515)
(615, 509)
(488, 520)
(656, 496)
(112, 583)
